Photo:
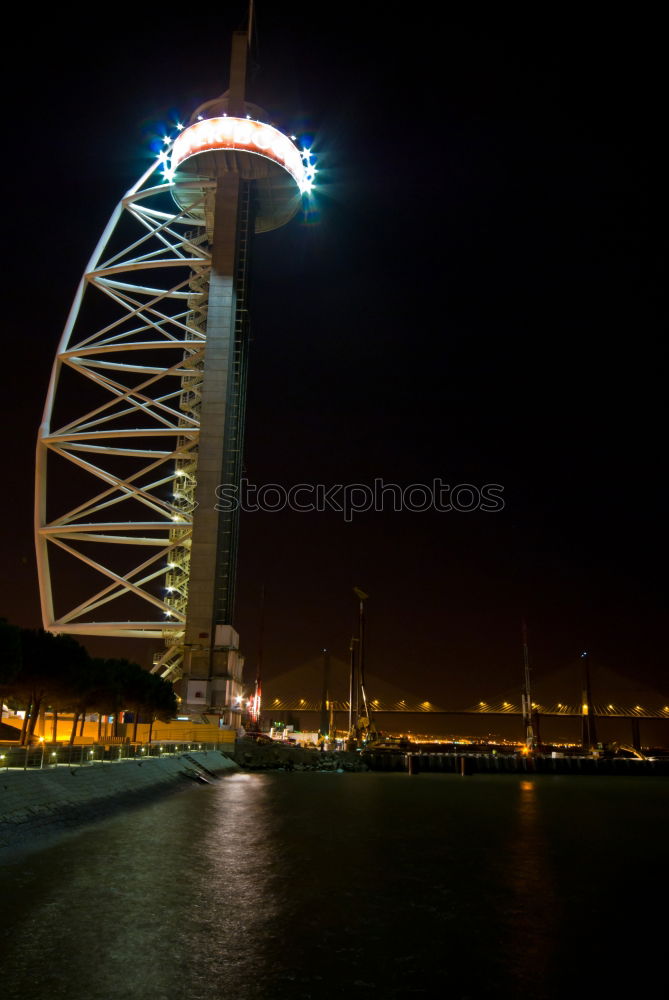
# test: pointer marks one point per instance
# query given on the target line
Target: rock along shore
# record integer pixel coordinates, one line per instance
(268, 757)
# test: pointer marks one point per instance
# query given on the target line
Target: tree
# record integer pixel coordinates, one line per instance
(10, 658)
(118, 691)
(161, 701)
(70, 665)
(89, 691)
(50, 666)
(34, 678)
(41, 669)
(147, 695)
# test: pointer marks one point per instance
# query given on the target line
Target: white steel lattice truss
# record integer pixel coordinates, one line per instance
(138, 372)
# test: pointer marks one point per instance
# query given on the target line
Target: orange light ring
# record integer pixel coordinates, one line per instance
(248, 136)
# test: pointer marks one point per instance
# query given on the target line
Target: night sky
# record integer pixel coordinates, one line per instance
(473, 297)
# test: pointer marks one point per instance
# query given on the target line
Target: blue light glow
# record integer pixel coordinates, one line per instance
(309, 161)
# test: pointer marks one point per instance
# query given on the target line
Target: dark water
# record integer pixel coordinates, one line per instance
(327, 885)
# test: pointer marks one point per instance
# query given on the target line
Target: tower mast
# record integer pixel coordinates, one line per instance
(211, 645)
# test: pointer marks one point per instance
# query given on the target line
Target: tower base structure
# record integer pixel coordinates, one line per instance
(212, 682)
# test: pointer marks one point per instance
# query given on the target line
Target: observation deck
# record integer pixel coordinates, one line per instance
(216, 143)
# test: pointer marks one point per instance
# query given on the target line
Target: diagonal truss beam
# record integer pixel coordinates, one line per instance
(137, 322)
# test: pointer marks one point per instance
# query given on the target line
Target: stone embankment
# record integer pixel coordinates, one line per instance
(38, 803)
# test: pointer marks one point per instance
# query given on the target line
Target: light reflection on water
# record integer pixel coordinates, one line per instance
(531, 904)
(324, 885)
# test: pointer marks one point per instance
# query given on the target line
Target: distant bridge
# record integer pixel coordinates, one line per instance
(405, 706)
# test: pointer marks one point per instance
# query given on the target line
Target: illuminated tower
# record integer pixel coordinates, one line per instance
(144, 416)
